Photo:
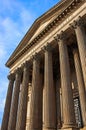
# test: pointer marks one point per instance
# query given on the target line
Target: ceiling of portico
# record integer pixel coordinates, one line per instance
(38, 26)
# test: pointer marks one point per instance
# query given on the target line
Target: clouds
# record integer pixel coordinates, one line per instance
(2, 51)
(26, 18)
(14, 22)
(2, 96)
(16, 16)
(9, 28)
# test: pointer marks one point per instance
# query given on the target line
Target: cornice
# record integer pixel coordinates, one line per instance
(47, 29)
(35, 25)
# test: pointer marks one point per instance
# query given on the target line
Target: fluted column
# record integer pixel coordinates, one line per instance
(58, 104)
(81, 41)
(5, 120)
(36, 97)
(67, 95)
(81, 85)
(22, 108)
(61, 106)
(49, 93)
(14, 104)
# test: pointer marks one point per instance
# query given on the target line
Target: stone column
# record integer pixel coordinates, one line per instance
(67, 95)
(81, 85)
(36, 97)
(49, 93)
(58, 104)
(22, 108)
(61, 103)
(81, 41)
(8, 103)
(14, 104)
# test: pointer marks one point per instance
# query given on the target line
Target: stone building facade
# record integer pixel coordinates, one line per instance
(47, 79)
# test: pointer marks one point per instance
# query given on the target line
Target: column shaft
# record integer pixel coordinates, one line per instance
(81, 85)
(67, 95)
(61, 106)
(8, 103)
(81, 41)
(36, 97)
(58, 104)
(14, 104)
(22, 108)
(49, 94)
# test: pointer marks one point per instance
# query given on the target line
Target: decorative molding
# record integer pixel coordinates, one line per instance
(61, 36)
(18, 71)
(36, 57)
(64, 25)
(25, 65)
(47, 29)
(48, 47)
(78, 22)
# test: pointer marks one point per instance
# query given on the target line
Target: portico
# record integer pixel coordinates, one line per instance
(52, 67)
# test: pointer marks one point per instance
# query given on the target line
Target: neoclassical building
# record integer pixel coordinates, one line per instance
(47, 78)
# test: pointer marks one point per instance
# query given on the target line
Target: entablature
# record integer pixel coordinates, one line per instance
(61, 23)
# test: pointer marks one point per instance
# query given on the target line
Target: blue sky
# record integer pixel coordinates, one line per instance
(16, 16)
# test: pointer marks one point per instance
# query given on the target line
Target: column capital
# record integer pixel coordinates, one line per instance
(11, 76)
(61, 36)
(48, 47)
(35, 57)
(76, 23)
(26, 65)
(18, 71)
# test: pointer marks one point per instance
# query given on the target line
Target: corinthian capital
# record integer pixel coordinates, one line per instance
(18, 71)
(61, 36)
(26, 65)
(76, 23)
(48, 47)
(36, 57)
(11, 76)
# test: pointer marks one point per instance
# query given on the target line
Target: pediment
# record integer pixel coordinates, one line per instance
(38, 26)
